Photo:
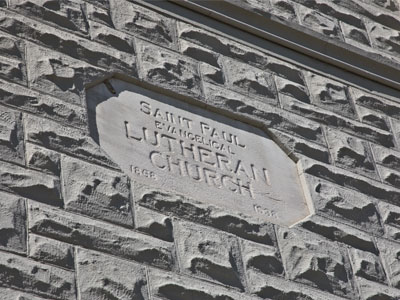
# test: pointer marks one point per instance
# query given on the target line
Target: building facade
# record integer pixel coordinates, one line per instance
(287, 189)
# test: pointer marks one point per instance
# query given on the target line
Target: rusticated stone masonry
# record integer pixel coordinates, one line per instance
(73, 226)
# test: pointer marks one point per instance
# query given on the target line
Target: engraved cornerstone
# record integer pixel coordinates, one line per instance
(176, 146)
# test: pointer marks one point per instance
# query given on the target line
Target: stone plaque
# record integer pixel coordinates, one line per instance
(182, 148)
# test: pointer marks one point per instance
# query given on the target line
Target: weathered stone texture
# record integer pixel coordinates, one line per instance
(43, 159)
(154, 223)
(351, 153)
(99, 236)
(200, 213)
(138, 20)
(103, 276)
(12, 223)
(30, 184)
(42, 105)
(11, 136)
(97, 192)
(30, 276)
(60, 138)
(315, 262)
(209, 254)
(168, 70)
(51, 251)
(64, 14)
(346, 205)
(73, 226)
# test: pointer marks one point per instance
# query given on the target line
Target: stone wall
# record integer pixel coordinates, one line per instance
(73, 226)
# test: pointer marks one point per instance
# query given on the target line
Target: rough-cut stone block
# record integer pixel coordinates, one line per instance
(9, 294)
(65, 14)
(169, 70)
(96, 192)
(331, 95)
(390, 252)
(352, 181)
(42, 105)
(111, 37)
(174, 287)
(67, 43)
(353, 34)
(221, 45)
(261, 258)
(43, 159)
(276, 288)
(212, 74)
(373, 118)
(204, 214)
(390, 215)
(284, 10)
(209, 254)
(11, 136)
(106, 277)
(334, 9)
(97, 14)
(314, 261)
(391, 5)
(104, 237)
(11, 48)
(301, 146)
(30, 184)
(30, 276)
(374, 102)
(348, 206)
(319, 23)
(367, 265)
(389, 176)
(54, 73)
(370, 290)
(154, 223)
(340, 233)
(396, 131)
(250, 81)
(386, 157)
(13, 70)
(143, 22)
(241, 52)
(285, 70)
(199, 53)
(268, 115)
(105, 4)
(51, 251)
(351, 153)
(12, 223)
(334, 120)
(64, 139)
(292, 89)
(385, 38)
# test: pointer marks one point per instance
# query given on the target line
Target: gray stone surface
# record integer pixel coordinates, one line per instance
(97, 192)
(210, 254)
(99, 236)
(30, 276)
(315, 262)
(51, 251)
(11, 136)
(76, 225)
(12, 223)
(106, 277)
(31, 184)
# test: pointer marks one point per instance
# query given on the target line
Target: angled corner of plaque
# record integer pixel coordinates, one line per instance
(178, 147)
